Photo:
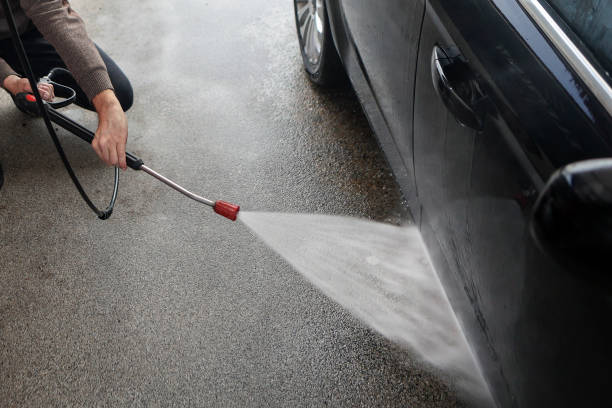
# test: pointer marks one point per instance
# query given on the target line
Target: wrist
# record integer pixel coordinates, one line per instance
(105, 101)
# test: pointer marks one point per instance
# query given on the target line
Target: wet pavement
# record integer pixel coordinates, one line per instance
(166, 303)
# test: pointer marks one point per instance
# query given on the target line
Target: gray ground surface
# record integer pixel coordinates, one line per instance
(167, 304)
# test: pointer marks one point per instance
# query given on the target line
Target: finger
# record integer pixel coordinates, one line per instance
(51, 90)
(121, 154)
(109, 155)
(25, 86)
(96, 146)
(46, 91)
(100, 149)
(113, 156)
(105, 155)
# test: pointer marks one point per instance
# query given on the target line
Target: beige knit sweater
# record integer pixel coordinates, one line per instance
(64, 29)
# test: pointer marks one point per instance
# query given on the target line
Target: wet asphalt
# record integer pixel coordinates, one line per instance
(166, 303)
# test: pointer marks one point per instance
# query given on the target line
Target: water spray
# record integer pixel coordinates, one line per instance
(34, 105)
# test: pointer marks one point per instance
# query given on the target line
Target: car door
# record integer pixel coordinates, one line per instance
(497, 110)
(384, 38)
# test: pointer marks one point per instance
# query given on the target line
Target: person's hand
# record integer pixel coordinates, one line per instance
(111, 136)
(15, 85)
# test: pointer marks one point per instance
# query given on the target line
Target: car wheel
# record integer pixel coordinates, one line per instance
(319, 53)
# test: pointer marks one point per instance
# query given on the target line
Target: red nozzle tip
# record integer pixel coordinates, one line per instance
(228, 210)
(30, 98)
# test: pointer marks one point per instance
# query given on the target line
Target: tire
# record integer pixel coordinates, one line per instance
(319, 54)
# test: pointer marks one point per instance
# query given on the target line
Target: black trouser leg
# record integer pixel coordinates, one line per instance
(43, 57)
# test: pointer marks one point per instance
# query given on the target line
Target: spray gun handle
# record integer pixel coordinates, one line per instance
(26, 102)
(133, 162)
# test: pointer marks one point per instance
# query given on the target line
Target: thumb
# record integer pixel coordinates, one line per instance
(25, 86)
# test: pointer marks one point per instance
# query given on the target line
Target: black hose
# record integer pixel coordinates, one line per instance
(25, 66)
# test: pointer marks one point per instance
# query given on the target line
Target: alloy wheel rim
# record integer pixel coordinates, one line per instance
(310, 23)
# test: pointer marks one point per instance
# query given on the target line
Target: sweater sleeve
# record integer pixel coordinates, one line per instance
(65, 30)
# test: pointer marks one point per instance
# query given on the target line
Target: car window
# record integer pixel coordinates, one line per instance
(591, 21)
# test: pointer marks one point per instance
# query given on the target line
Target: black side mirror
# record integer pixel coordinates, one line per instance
(572, 219)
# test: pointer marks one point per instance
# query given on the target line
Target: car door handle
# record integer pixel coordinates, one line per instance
(452, 81)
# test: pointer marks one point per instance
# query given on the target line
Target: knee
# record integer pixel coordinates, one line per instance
(125, 94)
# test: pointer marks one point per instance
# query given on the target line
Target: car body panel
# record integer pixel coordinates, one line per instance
(379, 30)
(378, 104)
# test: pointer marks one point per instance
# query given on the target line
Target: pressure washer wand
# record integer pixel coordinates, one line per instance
(227, 210)
(178, 188)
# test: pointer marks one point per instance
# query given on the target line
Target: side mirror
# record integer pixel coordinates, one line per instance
(572, 219)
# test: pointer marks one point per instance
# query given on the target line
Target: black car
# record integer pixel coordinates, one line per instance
(495, 116)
